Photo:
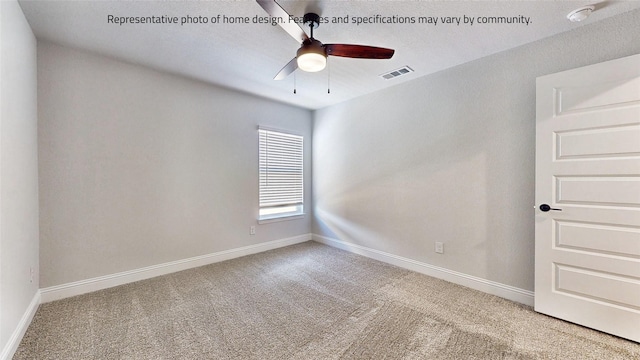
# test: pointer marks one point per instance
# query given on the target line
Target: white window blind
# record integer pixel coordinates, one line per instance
(281, 180)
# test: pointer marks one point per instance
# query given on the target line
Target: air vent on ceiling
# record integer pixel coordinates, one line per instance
(395, 73)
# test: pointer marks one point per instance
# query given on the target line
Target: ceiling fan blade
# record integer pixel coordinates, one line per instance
(275, 10)
(358, 51)
(287, 69)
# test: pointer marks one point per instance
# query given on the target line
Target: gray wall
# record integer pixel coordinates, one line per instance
(450, 157)
(18, 169)
(139, 167)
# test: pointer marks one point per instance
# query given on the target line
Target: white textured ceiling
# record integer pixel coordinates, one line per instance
(247, 56)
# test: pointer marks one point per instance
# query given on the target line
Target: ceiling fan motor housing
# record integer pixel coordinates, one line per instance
(312, 46)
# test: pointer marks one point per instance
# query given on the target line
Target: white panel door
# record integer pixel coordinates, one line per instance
(587, 222)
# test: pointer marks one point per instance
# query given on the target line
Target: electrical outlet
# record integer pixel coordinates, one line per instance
(252, 230)
(439, 247)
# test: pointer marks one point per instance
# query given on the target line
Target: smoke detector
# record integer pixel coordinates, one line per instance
(581, 13)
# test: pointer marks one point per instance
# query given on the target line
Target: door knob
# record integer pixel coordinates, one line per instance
(546, 207)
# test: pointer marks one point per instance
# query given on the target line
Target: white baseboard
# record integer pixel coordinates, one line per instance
(14, 341)
(491, 287)
(103, 282)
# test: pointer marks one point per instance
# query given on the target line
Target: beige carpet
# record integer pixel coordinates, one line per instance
(307, 301)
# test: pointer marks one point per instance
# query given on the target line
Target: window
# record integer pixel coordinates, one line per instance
(281, 184)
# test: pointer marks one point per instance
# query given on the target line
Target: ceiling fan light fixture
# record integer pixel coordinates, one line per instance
(311, 56)
(312, 62)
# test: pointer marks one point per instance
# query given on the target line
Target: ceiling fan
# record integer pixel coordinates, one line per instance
(312, 55)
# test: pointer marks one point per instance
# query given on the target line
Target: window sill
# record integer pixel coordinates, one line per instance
(268, 220)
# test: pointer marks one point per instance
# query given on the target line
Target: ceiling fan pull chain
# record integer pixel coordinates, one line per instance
(294, 83)
(328, 77)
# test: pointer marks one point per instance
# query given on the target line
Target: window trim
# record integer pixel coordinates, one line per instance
(281, 218)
